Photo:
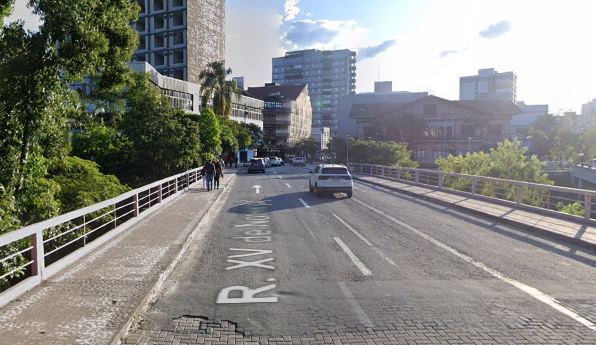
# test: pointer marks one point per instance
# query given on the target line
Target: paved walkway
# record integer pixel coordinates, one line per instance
(91, 301)
(549, 225)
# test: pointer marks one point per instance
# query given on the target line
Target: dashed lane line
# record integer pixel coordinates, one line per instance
(287, 184)
(365, 240)
(355, 260)
(364, 319)
(304, 203)
(533, 292)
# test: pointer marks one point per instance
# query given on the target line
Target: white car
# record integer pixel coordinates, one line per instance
(299, 161)
(330, 178)
(275, 161)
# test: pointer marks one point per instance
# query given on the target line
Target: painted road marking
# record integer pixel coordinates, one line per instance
(279, 176)
(257, 188)
(533, 292)
(364, 240)
(287, 184)
(246, 295)
(354, 304)
(303, 203)
(361, 266)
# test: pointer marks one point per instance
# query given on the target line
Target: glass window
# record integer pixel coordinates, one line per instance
(142, 4)
(178, 18)
(178, 56)
(177, 3)
(494, 130)
(141, 25)
(159, 41)
(159, 22)
(178, 37)
(335, 171)
(160, 59)
(158, 5)
(467, 130)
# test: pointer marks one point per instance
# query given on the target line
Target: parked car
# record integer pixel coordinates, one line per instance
(291, 159)
(275, 161)
(330, 178)
(593, 163)
(256, 164)
(299, 161)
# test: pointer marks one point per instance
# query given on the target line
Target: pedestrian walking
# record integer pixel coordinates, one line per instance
(209, 169)
(218, 174)
(203, 177)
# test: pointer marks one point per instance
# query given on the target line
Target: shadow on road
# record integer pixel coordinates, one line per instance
(288, 201)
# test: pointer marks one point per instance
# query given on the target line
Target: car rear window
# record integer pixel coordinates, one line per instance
(255, 160)
(336, 171)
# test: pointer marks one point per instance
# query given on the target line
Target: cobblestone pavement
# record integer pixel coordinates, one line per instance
(91, 300)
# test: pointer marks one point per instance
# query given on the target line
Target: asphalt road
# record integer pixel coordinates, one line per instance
(283, 263)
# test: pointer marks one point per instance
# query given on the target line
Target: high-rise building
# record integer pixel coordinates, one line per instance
(329, 74)
(589, 108)
(488, 84)
(180, 37)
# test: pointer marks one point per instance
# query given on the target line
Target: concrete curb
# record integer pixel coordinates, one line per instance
(152, 294)
(536, 230)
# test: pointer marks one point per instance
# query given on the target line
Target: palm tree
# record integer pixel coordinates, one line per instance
(215, 86)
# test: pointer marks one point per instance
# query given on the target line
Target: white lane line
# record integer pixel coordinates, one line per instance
(377, 250)
(533, 292)
(275, 171)
(279, 176)
(304, 203)
(355, 305)
(361, 266)
(287, 184)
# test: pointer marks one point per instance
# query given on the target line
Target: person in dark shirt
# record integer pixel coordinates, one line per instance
(218, 174)
(209, 169)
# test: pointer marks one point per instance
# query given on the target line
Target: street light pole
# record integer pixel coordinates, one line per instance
(348, 149)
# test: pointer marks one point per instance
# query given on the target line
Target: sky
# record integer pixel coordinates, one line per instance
(426, 45)
(423, 45)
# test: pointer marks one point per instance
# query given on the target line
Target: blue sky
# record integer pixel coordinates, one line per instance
(423, 45)
(426, 45)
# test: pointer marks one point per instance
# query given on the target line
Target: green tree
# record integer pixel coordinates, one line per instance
(372, 152)
(215, 86)
(164, 140)
(228, 136)
(104, 145)
(256, 134)
(210, 134)
(308, 146)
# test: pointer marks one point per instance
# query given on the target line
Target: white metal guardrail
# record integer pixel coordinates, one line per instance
(569, 203)
(36, 252)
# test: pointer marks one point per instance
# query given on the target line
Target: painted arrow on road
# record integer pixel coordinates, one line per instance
(258, 188)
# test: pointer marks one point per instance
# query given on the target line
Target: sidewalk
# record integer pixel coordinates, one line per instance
(547, 225)
(90, 301)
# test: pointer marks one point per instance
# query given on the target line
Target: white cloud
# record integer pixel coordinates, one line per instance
(291, 9)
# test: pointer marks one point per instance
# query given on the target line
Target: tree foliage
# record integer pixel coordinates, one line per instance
(210, 134)
(214, 86)
(372, 152)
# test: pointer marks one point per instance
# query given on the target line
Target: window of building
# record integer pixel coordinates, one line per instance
(178, 37)
(159, 59)
(177, 3)
(178, 18)
(159, 22)
(178, 56)
(420, 154)
(440, 154)
(140, 57)
(142, 43)
(430, 109)
(159, 41)
(141, 25)
(495, 130)
(159, 5)
(467, 130)
(178, 73)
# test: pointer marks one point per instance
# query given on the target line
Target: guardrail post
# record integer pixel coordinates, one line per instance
(588, 206)
(159, 193)
(383, 171)
(398, 173)
(135, 204)
(176, 184)
(441, 178)
(473, 184)
(371, 169)
(37, 255)
(416, 176)
(518, 193)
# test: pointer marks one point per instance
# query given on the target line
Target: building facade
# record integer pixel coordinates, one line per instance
(287, 113)
(321, 135)
(329, 74)
(247, 109)
(488, 84)
(526, 118)
(435, 127)
(384, 93)
(180, 37)
(589, 108)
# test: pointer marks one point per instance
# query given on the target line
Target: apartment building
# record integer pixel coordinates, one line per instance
(488, 84)
(180, 37)
(287, 113)
(329, 74)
